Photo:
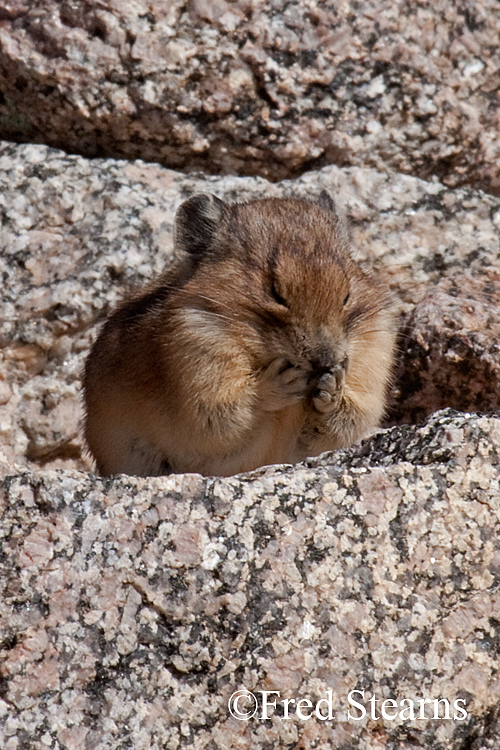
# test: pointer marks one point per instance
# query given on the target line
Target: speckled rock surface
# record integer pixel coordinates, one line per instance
(451, 348)
(132, 609)
(267, 88)
(77, 234)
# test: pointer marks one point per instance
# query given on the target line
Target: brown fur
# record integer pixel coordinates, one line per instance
(266, 343)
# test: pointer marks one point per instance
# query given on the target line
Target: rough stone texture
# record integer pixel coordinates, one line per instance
(132, 609)
(77, 234)
(266, 88)
(451, 348)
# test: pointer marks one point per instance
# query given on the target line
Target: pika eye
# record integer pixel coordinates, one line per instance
(277, 296)
(346, 298)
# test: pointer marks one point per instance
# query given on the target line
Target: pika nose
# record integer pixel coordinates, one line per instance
(323, 361)
(320, 368)
(326, 361)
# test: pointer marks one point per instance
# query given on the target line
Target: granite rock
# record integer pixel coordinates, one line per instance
(76, 235)
(451, 348)
(132, 609)
(259, 88)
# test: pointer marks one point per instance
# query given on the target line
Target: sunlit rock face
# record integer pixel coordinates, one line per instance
(270, 88)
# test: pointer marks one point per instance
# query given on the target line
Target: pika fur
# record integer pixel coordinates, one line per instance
(265, 344)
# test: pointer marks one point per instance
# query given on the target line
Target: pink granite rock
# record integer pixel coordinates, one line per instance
(451, 348)
(259, 88)
(131, 609)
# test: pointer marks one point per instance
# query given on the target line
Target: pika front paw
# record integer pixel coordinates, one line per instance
(329, 390)
(282, 384)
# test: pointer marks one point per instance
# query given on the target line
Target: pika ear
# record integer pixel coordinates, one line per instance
(196, 223)
(326, 201)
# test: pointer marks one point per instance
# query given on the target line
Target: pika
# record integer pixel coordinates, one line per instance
(266, 343)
